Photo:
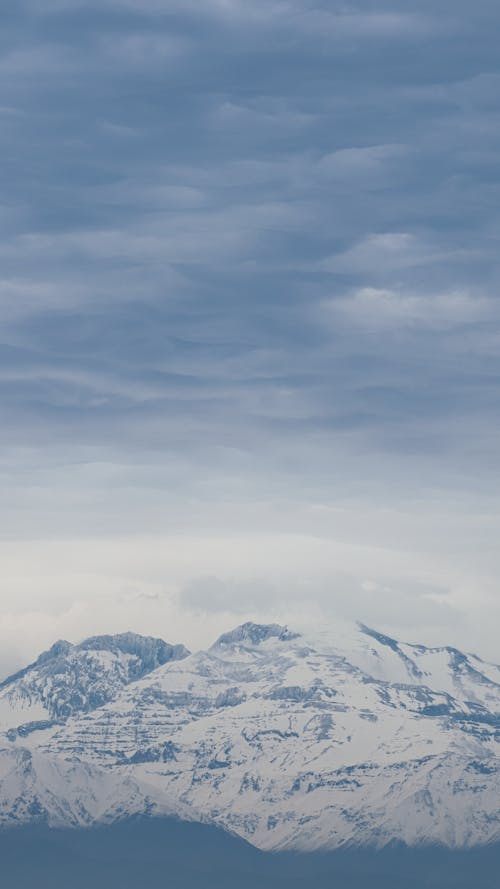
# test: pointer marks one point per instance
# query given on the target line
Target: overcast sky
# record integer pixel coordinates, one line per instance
(250, 335)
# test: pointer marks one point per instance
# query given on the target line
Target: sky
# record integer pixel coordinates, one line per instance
(250, 323)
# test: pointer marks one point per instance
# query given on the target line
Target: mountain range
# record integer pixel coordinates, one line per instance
(345, 737)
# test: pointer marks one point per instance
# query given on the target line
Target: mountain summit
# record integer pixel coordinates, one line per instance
(69, 679)
(346, 737)
(254, 634)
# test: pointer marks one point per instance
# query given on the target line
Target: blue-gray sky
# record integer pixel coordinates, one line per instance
(250, 332)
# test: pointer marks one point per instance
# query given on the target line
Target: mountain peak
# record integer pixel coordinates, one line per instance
(253, 634)
(61, 648)
(153, 652)
(68, 679)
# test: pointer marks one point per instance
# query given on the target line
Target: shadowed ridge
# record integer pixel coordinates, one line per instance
(391, 643)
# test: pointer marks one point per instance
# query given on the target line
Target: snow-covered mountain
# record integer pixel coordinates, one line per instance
(286, 740)
(69, 679)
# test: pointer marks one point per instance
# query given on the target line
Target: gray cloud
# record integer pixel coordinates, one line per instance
(410, 604)
(249, 260)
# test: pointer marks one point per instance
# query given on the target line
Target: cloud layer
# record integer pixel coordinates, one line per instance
(249, 274)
